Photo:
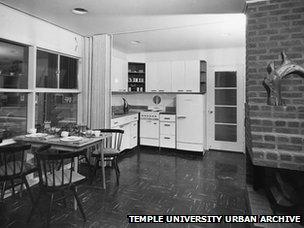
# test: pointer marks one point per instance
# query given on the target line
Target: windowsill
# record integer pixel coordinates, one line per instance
(6, 142)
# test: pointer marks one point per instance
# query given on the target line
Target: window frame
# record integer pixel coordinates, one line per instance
(32, 89)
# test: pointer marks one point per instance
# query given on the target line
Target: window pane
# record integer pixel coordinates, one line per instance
(13, 66)
(68, 72)
(13, 109)
(57, 108)
(47, 69)
(225, 132)
(225, 114)
(225, 79)
(225, 96)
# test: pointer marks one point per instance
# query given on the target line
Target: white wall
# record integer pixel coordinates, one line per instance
(20, 27)
(167, 100)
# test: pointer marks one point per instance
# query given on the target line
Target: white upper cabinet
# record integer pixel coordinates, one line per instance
(178, 76)
(164, 76)
(185, 76)
(159, 76)
(173, 76)
(119, 74)
(192, 74)
(152, 78)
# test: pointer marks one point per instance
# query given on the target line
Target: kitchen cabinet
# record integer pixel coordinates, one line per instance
(136, 77)
(119, 69)
(167, 137)
(192, 75)
(159, 76)
(178, 76)
(129, 124)
(185, 76)
(133, 134)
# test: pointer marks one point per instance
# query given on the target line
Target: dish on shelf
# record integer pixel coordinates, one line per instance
(36, 135)
(71, 139)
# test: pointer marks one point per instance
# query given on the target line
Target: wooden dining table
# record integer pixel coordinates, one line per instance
(57, 143)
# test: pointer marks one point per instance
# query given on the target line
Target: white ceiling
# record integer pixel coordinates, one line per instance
(112, 16)
(209, 31)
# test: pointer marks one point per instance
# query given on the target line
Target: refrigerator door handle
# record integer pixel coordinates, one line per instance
(181, 117)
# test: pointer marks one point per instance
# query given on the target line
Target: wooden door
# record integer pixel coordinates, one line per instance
(225, 108)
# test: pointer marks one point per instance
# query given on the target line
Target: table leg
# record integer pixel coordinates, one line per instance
(76, 170)
(103, 176)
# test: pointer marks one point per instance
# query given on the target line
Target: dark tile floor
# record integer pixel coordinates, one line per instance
(153, 182)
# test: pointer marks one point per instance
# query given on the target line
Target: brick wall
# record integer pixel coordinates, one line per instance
(277, 133)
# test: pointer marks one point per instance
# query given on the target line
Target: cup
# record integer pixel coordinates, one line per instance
(32, 131)
(97, 133)
(64, 134)
(89, 133)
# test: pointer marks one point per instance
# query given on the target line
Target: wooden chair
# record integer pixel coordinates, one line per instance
(57, 175)
(13, 166)
(111, 149)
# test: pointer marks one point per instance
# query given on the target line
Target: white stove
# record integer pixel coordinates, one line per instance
(149, 128)
(149, 115)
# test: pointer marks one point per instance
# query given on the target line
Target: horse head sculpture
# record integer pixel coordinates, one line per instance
(272, 82)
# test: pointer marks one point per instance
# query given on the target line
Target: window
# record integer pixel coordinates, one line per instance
(13, 113)
(68, 72)
(58, 109)
(46, 70)
(56, 71)
(54, 94)
(13, 65)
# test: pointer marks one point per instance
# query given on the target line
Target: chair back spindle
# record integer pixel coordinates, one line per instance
(53, 171)
(12, 160)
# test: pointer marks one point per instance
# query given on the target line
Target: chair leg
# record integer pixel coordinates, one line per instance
(3, 191)
(63, 199)
(116, 169)
(116, 158)
(49, 211)
(33, 207)
(79, 204)
(94, 170)
(13, 187)
(28, 188)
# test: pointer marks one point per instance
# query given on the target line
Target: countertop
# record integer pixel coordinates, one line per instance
(125, 114)
(168, 113)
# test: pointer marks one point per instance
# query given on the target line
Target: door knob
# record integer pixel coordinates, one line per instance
(210, 111)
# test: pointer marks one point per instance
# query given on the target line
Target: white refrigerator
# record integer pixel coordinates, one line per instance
(191, 126)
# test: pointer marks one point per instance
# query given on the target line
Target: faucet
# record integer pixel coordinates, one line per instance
(125, 105)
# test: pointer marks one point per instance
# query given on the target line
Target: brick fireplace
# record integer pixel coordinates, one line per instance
(276, 137)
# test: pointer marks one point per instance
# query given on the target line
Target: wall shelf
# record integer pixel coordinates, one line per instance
(136, 77)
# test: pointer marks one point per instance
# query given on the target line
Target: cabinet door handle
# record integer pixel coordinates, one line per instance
(115, 122)
(161, 90)
(153, 90)
(167, 125)
(155, 123)
(181, 117)
(189, 90)
(180, 90)
(167, 118)
(166, 138)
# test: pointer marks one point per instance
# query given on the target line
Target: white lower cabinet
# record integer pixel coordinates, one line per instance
(129, 124)
(167, 131)
(133, 134)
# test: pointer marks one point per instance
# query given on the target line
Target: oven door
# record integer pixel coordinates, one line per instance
(149, 129)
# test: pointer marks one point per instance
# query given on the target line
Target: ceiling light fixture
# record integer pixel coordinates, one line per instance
(79, 11)
(135, 42)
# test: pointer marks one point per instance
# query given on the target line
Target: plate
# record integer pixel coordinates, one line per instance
(37, 135)
(71, 139)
